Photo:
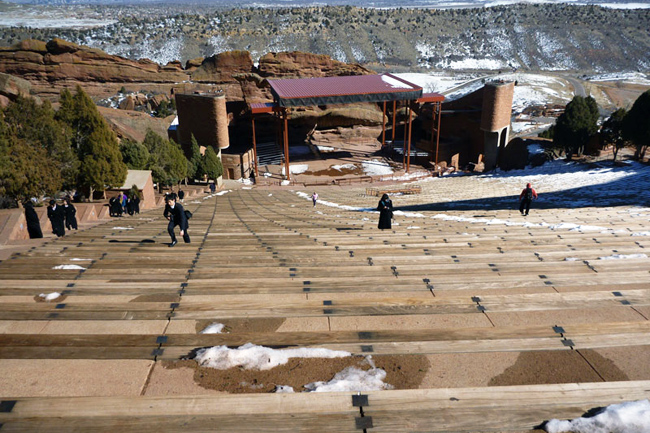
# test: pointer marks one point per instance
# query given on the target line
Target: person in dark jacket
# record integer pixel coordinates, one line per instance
(525, 198)
(33, 222)
(175, 213)
(116, 206)
(130, 206)
(181, 194)
(70, 214)
(385, 208)
(57, 217)
(136, 204)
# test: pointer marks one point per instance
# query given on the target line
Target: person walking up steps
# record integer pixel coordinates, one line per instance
(525, 198)
(385, 208)
(175, 213)
(314, 197)
(70, 214)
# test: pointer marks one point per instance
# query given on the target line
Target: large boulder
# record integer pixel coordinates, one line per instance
(11, 87)
(297, 64)
(220, 68)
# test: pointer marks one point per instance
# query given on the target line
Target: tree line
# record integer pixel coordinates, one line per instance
(44, 151)
(579, 122)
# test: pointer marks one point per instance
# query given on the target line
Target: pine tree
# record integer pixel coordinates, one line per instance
(37, 125)
(25, 169)
(167, 162)
(612, 130)
(194, 166)
(95, 142)
(636, 124)
(212, 164)
(135, 155)
(578, 122)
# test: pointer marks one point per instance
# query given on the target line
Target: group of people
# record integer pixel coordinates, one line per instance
(61, 216)
(122, 203)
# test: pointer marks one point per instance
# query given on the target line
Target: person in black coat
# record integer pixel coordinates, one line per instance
(33, 222)
(385, 208)
(136, 204)
(181, 194)
(56, 214)
(116, 206)
(70, 214)
(175, 213)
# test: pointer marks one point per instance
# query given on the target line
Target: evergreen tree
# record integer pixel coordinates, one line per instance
(612, 130)
(135, 155)
(636, 124)
(37, 126)
(25, 169)
(167, 162)
(95, 142)
(212, 163)
(578, 122)
(194, 166)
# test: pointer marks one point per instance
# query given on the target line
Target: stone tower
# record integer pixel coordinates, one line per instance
(495, 119)
(203, 115)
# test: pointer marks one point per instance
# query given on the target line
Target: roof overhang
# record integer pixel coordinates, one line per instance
(304, 92)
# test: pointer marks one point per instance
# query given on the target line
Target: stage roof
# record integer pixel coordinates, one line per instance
(304, 92)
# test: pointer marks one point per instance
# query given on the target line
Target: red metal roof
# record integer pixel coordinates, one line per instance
(343, 90)
(431, 97)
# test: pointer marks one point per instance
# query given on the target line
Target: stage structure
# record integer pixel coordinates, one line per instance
(304, 92)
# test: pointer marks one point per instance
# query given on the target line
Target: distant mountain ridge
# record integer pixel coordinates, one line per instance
(584, 39)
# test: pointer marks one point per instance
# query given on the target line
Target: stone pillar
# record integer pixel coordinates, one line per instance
(223, 139)
(495, 119)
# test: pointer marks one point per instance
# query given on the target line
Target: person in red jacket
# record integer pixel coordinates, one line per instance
(527, 195)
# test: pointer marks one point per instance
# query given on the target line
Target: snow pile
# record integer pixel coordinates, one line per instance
(376, 168)
(341, 167)
(630, 417)
(623, 256)
(352, 379)
(296, 169)
(69, 267)
(395, 84)
(213, 328)
(325, 149)
(50, 296)
(283, 389)
(254, 357)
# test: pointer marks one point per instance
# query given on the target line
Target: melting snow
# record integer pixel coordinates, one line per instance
(623, 257)
(253, 357)
(376, 168)
(630, 417)
(68, 267)
(214, 328)
(352, 379)
(50, 296)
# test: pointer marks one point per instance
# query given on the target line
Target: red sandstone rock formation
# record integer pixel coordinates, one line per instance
(302, 65)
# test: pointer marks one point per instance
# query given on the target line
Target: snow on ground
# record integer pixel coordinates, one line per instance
(223, 192)
(75, 259)
(628, 77)
(392, 82)
(122, 228)
(376, 168)
(341, 167)
(213, 328)
(50, 296)
(325, 149)
(629, 417)
(296, 169)
(69, 267)
(557, 183)
(352, 379)
(253, 357)
(623, 257)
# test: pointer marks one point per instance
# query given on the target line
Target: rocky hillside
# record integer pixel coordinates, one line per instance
(57, 64)
(525, 36)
